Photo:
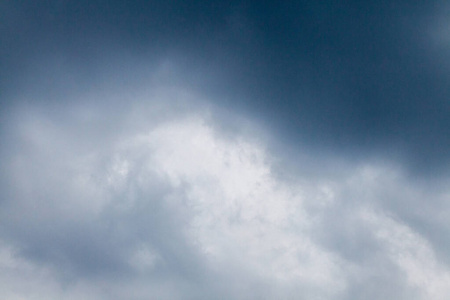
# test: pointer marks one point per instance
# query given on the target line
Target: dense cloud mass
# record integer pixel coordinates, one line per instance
(224, 150)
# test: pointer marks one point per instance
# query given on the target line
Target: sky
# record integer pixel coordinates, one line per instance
(224, 150)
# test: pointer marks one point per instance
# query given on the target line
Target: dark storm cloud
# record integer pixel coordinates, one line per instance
(347, 76)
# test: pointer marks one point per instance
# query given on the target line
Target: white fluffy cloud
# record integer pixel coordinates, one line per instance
(156, 202)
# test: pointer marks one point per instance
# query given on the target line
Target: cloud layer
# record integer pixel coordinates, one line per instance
(238, 150)
(356, 78)
(177, 207)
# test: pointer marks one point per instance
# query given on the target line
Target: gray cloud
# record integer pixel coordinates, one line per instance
(355, 78)
(161, 201)
(192, 151)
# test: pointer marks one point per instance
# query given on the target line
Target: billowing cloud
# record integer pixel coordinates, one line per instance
(160, 201)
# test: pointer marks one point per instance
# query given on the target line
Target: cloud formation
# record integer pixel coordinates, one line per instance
(238, 150)
(356, 78)
(178, 208)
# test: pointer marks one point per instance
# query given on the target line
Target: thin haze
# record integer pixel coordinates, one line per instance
(224, 150)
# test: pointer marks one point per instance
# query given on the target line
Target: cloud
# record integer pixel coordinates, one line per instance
(163, 200)
(355, 78)
(233, 150)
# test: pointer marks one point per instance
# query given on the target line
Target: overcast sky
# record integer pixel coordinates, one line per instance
(224, 150)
